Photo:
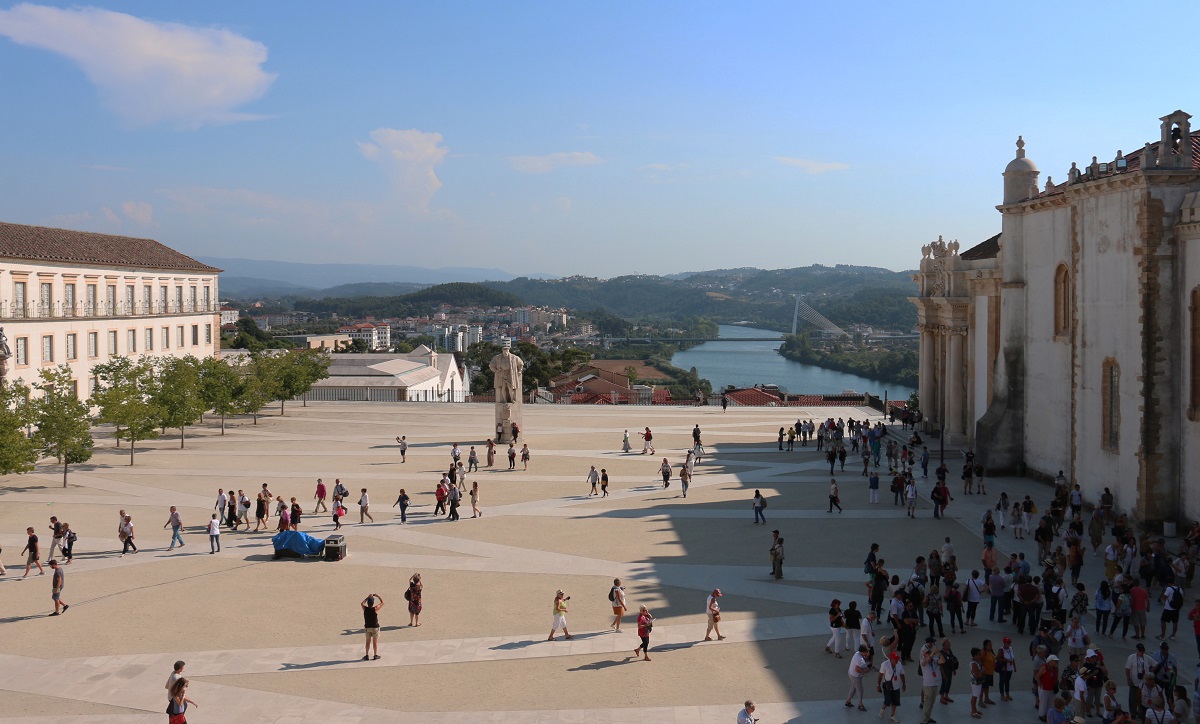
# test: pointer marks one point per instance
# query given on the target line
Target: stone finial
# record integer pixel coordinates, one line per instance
(1020, 147)
(1049, 184)
(926, 251)
(1073, 174)
(953, 247)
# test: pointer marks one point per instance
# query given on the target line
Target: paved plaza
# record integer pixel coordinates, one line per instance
(281, 640)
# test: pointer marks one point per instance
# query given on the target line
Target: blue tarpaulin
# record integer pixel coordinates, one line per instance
(302, 543)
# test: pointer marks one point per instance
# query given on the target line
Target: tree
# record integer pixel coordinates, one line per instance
(297, 372)
(177, 396)
(251, 393)
(124, 393)
(63, 421)
(631, 373)
(219, 383)
(18, 453)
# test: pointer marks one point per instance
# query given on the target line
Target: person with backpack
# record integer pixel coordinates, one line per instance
(954, 607)
(616, 596)
(1172, 599)
(759, 505)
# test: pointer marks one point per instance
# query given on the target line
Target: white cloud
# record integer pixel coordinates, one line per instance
(139, 211)
(810, 166)
(149, 72)
(110, 216)
(410, 157)
(549, 162)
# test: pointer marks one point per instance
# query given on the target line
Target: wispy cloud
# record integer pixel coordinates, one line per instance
(410, 157)
(552, 161)
(149, 72)
(812, 167)
(139, 211)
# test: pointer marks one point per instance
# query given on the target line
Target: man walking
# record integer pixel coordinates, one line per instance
(370, 606)
(364, 507)
(222, 501)
(593, 478)
(31, 549)
(891, 682)
(455, 497)
(56, 529)
(713, 607)
(320, 496)
(56, 585)
(214, 535)
(176, 522)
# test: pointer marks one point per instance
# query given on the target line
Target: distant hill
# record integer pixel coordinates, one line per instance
(368, 289)
(423, 301)
(235, 287)
(321, 276)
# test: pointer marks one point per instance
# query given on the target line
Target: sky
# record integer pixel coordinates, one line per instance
(563, 138)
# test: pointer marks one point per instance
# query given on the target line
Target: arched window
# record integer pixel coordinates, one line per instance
(1110, 405)
(1194, 396)
(1062, 300)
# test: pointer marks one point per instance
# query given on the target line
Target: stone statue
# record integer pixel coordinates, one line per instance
(507, 369)
(5, 353)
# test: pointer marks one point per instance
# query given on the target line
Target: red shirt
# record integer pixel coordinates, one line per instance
(643, 624)
(1140, 599)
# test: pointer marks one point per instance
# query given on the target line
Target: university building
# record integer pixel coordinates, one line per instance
(1072, 339)
(80, 298)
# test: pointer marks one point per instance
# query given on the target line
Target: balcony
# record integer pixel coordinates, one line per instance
(59, 310)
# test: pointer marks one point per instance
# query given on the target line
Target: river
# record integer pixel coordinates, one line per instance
(745, 364)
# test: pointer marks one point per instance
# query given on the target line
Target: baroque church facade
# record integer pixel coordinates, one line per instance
(1071, 340)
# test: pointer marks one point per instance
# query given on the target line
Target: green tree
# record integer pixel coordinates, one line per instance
(219, 383)
(18, 453)
(63, 421)
(178, 395)
(297, 372)
(252, 392)
(125, 391)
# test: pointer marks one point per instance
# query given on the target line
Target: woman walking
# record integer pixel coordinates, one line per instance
(685, 477)
(559, 619)
(339, 511)
(473, 461)
(260, 513)
(126, 535)
(491, 453)
(836, 625)
(403, 501)
(625, 446)
(645, 624)
(413, 596)
(834, 498)
(648, 442)
(296, 512)
(475, 511)
(665, 470)
(617, 596)
(1006, 666)
(525, 455)
(178, 704)
(759, 504)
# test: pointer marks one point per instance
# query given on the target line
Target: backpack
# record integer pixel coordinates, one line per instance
(763, 503)
(1176, 598)
(612, 594)
(951, 662)
(71, 537)
(408, 594)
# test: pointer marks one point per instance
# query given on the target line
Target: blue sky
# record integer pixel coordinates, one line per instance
(566, 138)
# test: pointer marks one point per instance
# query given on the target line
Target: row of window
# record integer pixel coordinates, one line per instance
(198, 298)
(70, 349)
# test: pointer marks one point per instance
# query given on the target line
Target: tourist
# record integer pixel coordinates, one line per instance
(176, 675)
(559, 619)
(57, 580)
(214, 534)
(268, 496)
(475, 511)
(126, 536)
(280, 508)
(834, 497)
(364, 507)
(230, 513)
(1172, 601)
(777, 558)
(759, 505)
(178, 704)
(244, 508)
(460, 472)
(746, 715)
(645, 624)
(512, 457)
(320, 498)
(647, 442)
(930, 667)
(713, 608)
(339, 512)
(625, 446)
(665, 471)
(440, 493)
(222, 501)
(516, 431)
(891, 682)
(954, 605)
(455, 498)
(176, 522)
(603, 483)
(988, 657)
(413, 596)
(1047, 683)
(370, 608)
(402, 441)
(949, 663)
(724, 402)
(910, 497)
(685, 475)
(791, 439)
(296, 512)
(284, 515)
(56, 541)
(69, 546)
(1140, 604)
(972, 596)
(781, 435)
(403, 501)
(491, 453)
(1182, 708)
(473, 460)
(616, 595)
(860, 664)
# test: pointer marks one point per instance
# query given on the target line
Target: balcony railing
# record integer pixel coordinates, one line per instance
(60, 310)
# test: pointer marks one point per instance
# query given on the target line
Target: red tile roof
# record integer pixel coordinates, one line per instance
(752, 396)
(40, 243)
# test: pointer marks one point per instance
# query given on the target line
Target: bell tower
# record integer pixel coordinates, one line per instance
(1175, 147)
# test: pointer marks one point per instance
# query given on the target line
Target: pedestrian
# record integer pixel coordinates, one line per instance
(339, 512)
(370, 608)
(973, 595)
(512, 457)
(759, 505)
(777, 559)
(746, 715)
(403, 501)
(260, 512)
(559, 619)
(402, 441)
(525, 455)
(126, 535)
(685, 476)
(603, 483)
(949, 664)
(176, 522)
(296, 512)
(891, 682)
(69, 549)
(222, 501)
(834, 497)
(57, 579)
(491, 453)
(243, 509)
(440, 493)
(930, 668)
(910, 497)
(593, 479)
(413, 596)
(364, 507)
(1006, 666)
(1047, 684)
(860, 664)
(713, 608)
(283, 514)
(781, 435)
(455, 498)
(616, 595)
(1172, 601)
(473, 460)
(976, 682)
(56, 541)
(665, 470)
(475, 511)
(647, 442)
(516, 431)
(724, 402)
(320, 498)
(231, 511)
(176, 675)
(268, 496)
(178, 704)
(214, 534)
(645, 624)
(988, 657)
(625, 446)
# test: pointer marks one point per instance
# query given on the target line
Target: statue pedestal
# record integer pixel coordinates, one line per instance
(506, 414)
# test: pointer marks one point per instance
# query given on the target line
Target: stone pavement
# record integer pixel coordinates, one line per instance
(280, 641)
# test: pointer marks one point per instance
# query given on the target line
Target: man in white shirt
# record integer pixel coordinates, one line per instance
(1137, 668)
(746, 715)
(930, 663)
(947, 549)
(860, 664)
(891, 682)
(176, 675)
(364, 507)
(867, 634)
(593, 479)
(222, 501)
(1170, 612)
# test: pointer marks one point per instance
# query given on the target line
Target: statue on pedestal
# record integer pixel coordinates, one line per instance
(5, 353)
(507, 369)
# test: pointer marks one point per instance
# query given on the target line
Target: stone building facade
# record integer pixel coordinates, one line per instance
(1097, 363)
